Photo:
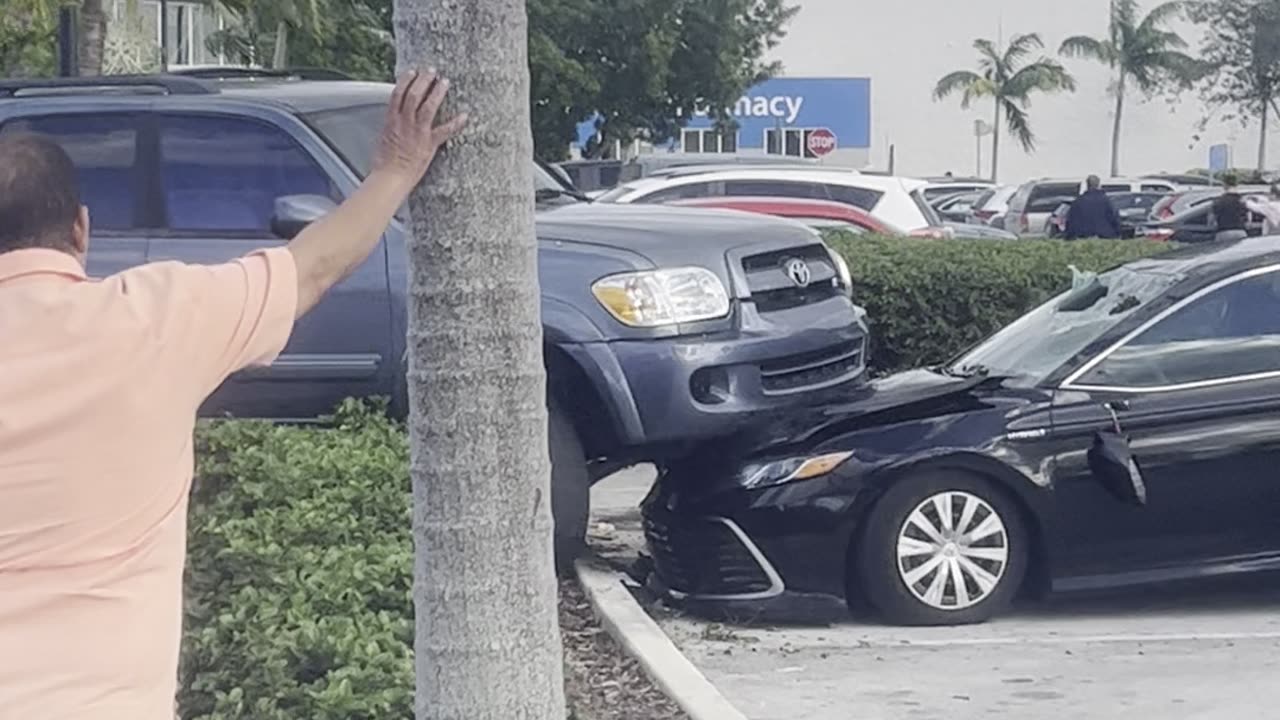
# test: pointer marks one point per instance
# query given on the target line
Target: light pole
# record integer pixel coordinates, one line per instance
(980, 130)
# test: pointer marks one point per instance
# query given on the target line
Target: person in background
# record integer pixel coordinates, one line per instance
(102, 380)
(1269, 209)
(1092, 215)
(1229, 211)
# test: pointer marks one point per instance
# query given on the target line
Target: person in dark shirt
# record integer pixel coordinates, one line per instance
(1092, 214)
(1230, 212)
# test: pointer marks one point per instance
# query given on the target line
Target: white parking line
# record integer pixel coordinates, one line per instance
(1055, 640)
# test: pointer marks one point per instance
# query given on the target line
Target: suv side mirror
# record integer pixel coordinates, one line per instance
(295, 212)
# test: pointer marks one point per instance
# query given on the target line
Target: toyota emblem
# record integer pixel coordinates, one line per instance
(798, 271)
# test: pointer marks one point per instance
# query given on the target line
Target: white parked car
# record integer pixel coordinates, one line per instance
(1035, 201)
(897, 201)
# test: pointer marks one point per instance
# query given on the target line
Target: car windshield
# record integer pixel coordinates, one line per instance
(353, 133)
(1029, 349)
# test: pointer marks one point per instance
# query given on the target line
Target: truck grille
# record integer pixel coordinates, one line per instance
(772, 289)
(701, 557)
(806, 370)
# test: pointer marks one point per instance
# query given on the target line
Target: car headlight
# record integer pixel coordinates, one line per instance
(654, 298)
(797, 468)
(842, 271)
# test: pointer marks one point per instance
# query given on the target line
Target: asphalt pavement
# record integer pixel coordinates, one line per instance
(1199, 652)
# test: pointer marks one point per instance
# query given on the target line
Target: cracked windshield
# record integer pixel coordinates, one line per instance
(639, 360)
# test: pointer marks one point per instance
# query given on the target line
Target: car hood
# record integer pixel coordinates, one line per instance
(907, 396)
(672, 236)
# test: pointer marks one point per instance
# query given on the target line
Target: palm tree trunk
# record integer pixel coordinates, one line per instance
(1262, 137)
(280, 58)
(1115, 130)
(487, 644)
(93, 36)
(995, 145)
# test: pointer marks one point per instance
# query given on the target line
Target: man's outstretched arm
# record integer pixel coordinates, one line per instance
(332, 248)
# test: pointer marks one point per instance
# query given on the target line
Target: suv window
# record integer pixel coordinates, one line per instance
(1042, 191)
(1117, 188)
(682, 192)
(773, 188)
(104, 150)
(858, 197)
(1231, 332)
(1160, 188)
(222, 173)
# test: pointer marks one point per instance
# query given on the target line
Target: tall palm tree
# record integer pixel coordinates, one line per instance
(487, 643)
(1142, 50)
(1003, 77)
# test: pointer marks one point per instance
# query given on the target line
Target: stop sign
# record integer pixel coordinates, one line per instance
(821, 141)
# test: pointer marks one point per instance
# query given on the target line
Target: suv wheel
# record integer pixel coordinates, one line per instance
(942, 549)
(570, 488)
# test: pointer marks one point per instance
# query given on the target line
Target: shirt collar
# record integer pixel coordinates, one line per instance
(39, 261)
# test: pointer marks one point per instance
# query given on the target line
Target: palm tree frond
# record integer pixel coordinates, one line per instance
(1019, 125)
(1021, 46)
(1044, 75)
(1083, 46)
(964, 81)
(1162, 14)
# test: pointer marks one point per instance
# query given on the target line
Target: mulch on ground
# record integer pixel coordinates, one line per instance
(601, 681)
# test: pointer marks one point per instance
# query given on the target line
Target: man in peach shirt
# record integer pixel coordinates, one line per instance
(99, 385)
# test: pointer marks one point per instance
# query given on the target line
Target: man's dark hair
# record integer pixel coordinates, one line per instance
(1093, 182)
(39, 194)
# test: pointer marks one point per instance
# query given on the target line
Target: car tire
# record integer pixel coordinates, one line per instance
(892, 561)
(570, 488)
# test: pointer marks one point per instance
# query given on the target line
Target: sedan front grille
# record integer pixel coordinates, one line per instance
(702, 557)
(804, 371)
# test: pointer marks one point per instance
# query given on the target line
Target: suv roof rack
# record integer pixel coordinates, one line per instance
(679, 171)
(168, 84)
(236, 72)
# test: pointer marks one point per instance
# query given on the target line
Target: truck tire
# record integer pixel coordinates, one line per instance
(570, 488)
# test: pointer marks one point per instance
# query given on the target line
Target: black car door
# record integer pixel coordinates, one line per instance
(1198, 392)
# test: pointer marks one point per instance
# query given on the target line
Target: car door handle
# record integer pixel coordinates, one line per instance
(1118, 406)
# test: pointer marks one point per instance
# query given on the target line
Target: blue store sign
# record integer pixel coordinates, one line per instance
(841, 105)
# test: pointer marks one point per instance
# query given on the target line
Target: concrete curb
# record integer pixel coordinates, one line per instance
(641, 637)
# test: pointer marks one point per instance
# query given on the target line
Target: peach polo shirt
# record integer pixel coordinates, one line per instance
(100, 381)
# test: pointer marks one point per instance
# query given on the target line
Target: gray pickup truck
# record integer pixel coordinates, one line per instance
(743, 315)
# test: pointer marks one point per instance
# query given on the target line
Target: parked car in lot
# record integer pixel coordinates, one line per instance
(1178, 202)
(942, 187)
(991, 206)
(1035, 202)
(1132, 207)
(937, 495)
(958, 207)
(662, 326)
(897, 201)
(596, 176)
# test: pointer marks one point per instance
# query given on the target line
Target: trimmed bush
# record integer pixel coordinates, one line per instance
(928, 300)
(299, 573)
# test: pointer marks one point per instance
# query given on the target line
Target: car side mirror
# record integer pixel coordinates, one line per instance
(295, 212)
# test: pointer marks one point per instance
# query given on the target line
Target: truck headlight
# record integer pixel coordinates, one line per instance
(842, 271)
(654, 298)
(797, 468)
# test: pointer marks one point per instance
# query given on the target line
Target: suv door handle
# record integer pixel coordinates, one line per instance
(1118, 406)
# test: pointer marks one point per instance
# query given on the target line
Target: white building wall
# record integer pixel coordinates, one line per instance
(907, 45)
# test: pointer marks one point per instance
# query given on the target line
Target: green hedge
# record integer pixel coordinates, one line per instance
(930, 299)
(299, 573)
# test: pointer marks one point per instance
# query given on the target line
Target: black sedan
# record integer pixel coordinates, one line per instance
(1126, 431)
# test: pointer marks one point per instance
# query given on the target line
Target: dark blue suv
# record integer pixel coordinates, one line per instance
(663, 326)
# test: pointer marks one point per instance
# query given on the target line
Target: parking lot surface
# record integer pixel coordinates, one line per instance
(1205, 652)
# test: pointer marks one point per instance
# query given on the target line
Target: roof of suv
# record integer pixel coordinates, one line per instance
(306, 96)
(837, 176)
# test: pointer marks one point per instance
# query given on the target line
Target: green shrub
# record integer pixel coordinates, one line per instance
(928, 299)
(299, 573)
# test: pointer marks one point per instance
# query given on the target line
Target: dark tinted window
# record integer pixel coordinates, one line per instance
(1116, 188)
(1049, 203)
(773, 188)
(224, 174)
(1042, 191)
(1232, 331)
(855, 196)
(103, 148)
(680, 192)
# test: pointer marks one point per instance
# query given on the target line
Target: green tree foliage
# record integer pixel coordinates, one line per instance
(1005, 77)
(1242, 50)
(1141, 51)
(644, 65)
(28, 37)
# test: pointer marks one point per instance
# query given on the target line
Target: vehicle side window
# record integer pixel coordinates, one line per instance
(1116, 188)
(104, 150)
(1156, 188)
(224, 174)
(855, 196)
(688, 191)
(773, 188)
(1231, 332)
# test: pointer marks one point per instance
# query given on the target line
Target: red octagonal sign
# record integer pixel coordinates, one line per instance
(821, 141)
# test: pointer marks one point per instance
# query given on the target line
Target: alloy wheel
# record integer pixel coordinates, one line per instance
(953, 550)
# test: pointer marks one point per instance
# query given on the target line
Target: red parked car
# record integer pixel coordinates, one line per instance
(816, 213)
